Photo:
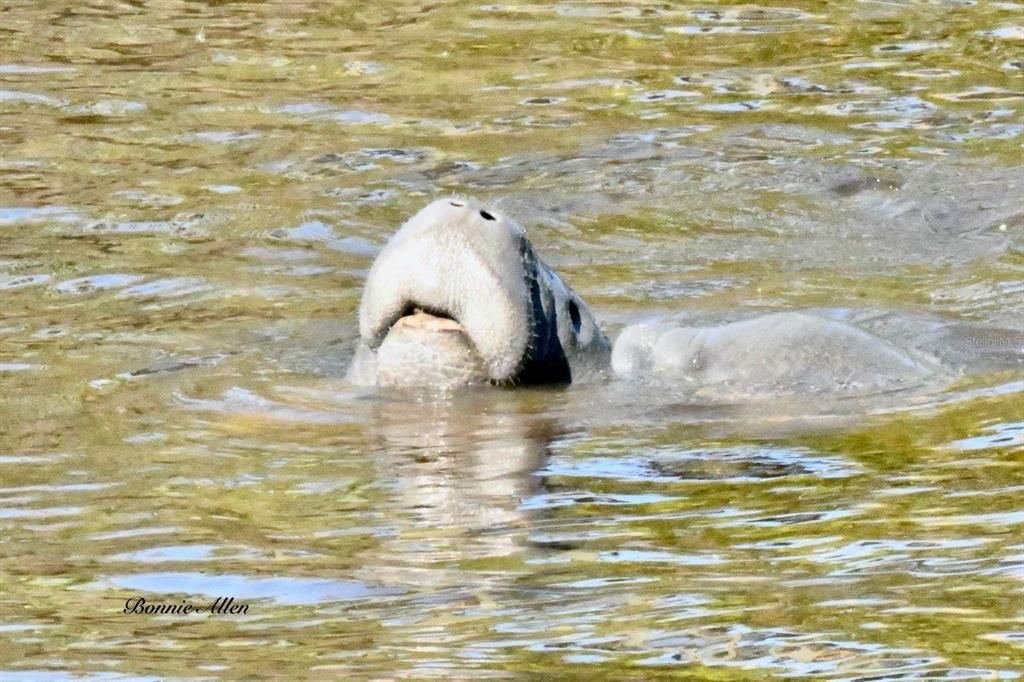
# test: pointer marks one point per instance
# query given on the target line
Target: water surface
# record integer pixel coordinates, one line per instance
(191, 194)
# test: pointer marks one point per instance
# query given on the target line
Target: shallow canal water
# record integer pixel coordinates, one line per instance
(191, 194)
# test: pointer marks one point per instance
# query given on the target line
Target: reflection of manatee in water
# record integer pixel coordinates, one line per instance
(463, 473)
(459, 296)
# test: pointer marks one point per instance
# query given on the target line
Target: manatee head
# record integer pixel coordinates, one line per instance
(458, 295)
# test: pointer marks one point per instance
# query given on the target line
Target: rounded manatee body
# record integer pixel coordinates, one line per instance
(780, 352)
(459, 296)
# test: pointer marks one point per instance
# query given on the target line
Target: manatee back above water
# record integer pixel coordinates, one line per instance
(776, 353)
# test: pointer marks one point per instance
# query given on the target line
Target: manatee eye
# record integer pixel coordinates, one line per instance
(456, 204)
(486, 216)
(574, 316)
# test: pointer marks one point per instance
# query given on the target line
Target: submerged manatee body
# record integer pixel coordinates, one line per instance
(776, 353)
(459, 296)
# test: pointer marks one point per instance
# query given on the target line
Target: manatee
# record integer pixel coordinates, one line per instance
(779, 352)
(459, 296)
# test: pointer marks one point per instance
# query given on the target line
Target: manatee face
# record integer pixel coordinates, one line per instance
(458, 296)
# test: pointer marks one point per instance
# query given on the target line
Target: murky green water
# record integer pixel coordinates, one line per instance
(190, 196)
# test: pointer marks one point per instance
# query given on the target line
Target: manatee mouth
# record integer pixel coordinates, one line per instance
(426, 320)
(423, 322)
(429, 350)
(427, 344)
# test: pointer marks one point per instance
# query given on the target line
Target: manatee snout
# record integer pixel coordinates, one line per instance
(459, 296)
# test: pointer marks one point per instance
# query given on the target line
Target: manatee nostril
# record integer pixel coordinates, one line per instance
(456, 204)
(574, 316)
(486, 216)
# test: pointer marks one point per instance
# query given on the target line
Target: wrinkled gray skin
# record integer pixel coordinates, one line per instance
(459, 296)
